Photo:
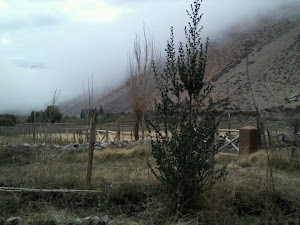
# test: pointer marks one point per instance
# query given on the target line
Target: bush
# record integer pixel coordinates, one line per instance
(8, 120)
(38, 117)
(184, 150)
(51, 114)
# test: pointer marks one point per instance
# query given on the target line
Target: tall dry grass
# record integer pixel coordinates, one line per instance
(130, 194)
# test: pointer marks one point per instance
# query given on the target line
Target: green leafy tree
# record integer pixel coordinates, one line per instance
(52, 114)
(38, 117)
(101, 110)
(82, 114)
(8, 120)
(183, 146)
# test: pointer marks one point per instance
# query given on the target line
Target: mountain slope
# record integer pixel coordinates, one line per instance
(273, 63)
(272, 46)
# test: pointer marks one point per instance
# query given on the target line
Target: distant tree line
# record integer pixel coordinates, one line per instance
(51, 114)
(84, 113)
(70, 119)
(8, 120)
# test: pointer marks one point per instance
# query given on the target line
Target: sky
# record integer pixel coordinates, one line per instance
(57, 44)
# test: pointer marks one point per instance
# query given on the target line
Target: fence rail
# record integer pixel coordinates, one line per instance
(226, 134)
(69, 132)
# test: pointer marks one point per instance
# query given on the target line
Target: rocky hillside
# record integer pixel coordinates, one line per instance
(273, 51)
(115, 101)
(271, 47)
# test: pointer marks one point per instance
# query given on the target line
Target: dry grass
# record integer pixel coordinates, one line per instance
(123, 178)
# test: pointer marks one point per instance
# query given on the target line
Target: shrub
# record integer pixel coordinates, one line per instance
(51, 114)
(183, 152)
(38, 117)
(8, 120)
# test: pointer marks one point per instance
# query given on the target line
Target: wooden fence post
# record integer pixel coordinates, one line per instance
(50, 133)
(45, 133)
(87, 135)
(40, 131)
(143, 127)
(74, 136)
(59, 132)
(229, 124)
(106, 134)
(80, 139)
(34, 117)
(36, 132)
(118, 130)
(67, 135)
(91, 150)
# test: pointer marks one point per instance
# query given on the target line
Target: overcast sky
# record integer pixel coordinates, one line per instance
(56, 44)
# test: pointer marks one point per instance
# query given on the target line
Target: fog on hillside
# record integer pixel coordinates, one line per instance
(49, 45)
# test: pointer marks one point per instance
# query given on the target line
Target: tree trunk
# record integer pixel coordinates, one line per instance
(34, 117)
(118, 129)
(258, 128)
(136, 130)
(229, 124)
(91, 150)
(143, 127)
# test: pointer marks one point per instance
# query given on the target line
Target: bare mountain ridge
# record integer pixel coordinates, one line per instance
(117, 100)
(274, 65)
(273, 50)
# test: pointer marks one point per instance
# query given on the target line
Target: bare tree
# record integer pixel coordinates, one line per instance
(89, 98)
(93, 131)
(53, 104)
(259, 122)
(140, 82)
(287, 120)
(50, 111)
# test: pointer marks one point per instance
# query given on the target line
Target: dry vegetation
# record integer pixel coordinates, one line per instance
(129, 193)
(273, 50)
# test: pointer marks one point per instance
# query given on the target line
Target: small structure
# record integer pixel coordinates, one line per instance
(248, 140)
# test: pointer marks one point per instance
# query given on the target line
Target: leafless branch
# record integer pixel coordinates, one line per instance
(55, 97)
(140, 82)
(89, 97)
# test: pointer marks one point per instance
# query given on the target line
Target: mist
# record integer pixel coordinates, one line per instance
(58, 44)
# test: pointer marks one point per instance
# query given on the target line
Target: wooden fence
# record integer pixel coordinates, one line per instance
(230, 136)
(80, 133)
(69, 132)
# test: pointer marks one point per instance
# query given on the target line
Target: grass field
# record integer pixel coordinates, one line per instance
(129, 193)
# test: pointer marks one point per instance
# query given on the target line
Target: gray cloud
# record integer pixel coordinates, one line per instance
(44, 50)
(28, 64)
(44, 20)
(29, 22)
